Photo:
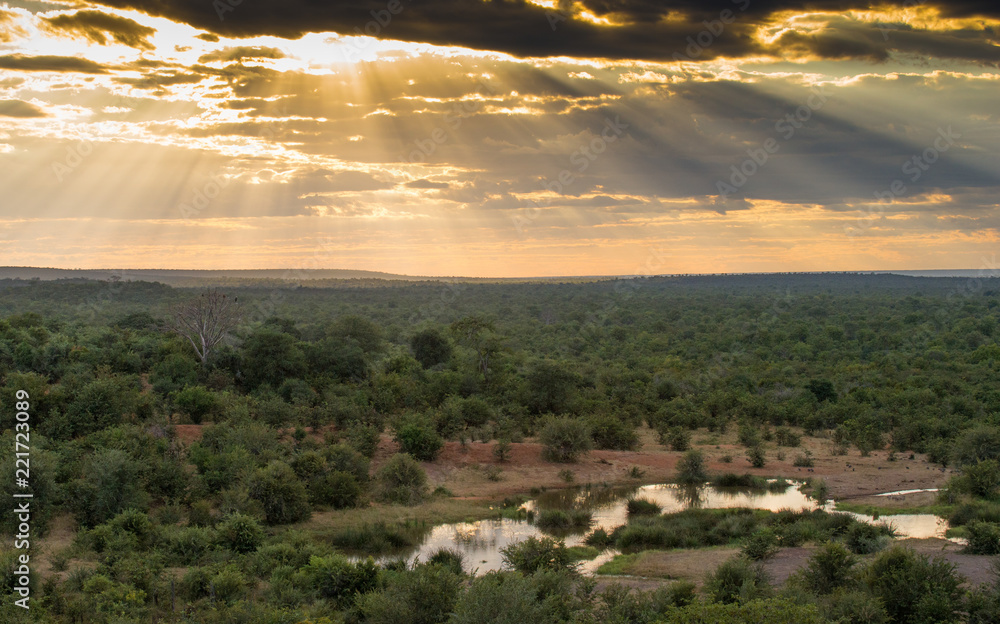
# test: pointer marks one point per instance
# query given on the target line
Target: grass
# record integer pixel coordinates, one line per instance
(699, 528)
(942, 511)
(582, 553)
(557, 519)
(619, 564)
(432, 512)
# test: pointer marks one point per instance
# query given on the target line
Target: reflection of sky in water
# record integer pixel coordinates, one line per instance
(481, 542)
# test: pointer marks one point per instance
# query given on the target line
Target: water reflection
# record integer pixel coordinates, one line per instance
(482, 542)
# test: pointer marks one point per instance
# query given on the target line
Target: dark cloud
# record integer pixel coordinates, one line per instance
(161, 79)
(427, 184)
(241, 53)
(101, 28)
(51, 64)
(208, 37)
(643, 29)
(19, 108)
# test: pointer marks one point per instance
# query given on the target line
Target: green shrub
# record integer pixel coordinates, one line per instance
(613, 433)
(448, 558)
(913, 588)
(533, 554)
(830, 567)
(738, 580)
(756, 456)
(501, 598)
(559, 520)
(786, 437)
(565, 439)
(417, 436)
(802, 461)
(373, 539)
(197, 402)
(677, 438)
(337, 489)
(364, 438)
(642, 507)
(425, 595)
(691, 468)
(983, 538)
(281, 495)
(760, 545)
(855, 607)
(240, 533)
(337, 579)
(864, 539)
(401, 480)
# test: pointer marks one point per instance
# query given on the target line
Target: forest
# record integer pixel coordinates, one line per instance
(269, 469)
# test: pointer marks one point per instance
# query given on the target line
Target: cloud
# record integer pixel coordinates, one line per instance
(426, 184)
(67, 64)
(242, 53)
(20, 109)
(632, 29)
(99, 27)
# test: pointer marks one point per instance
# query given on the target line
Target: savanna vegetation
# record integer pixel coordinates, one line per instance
(184, 473)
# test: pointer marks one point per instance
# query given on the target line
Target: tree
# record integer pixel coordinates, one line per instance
(401, 480)
(430, 347)
(565, 439)
(206, 321)
(281, 494)
(478, 334)
(691, 468)
(272, 357)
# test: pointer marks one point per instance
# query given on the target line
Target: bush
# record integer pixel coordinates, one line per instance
(677, 438)
(642, 507)
(691, 468)
(535, 554)
(430, 347)
(786, 437)
(281, 495)
(830, 567)
(337, 489)
(197, 402)
(502, 598)
(425, 595)
(982, 478)
(856, 607)
(913, 588)
(240, 533)
(984, 538)
(363, 438)
(336, 579)
(738, 580)
(448, 558)
(756, 456)
(774, 611)
(418, 437)
(401, 480)
(802, 461)
(565, 439)
(864, 539)
(559, 520)
(760, 545)
(612, 433)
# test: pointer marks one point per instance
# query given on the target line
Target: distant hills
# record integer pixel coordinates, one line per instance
(326, 277)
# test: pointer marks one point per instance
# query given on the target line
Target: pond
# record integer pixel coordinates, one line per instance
(481, 542)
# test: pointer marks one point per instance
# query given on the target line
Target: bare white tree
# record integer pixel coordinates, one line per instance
(206, 321)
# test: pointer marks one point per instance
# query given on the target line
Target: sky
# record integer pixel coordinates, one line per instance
(500, 139)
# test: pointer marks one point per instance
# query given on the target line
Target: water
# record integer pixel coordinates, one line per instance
(481, 542)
